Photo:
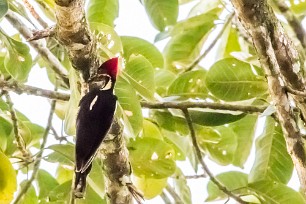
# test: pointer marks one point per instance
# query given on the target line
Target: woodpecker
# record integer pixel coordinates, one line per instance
(95, 116)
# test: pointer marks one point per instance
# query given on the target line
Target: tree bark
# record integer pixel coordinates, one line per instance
(73, 33)
(282, 67)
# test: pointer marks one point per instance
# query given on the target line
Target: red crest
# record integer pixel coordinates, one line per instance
(110, 67)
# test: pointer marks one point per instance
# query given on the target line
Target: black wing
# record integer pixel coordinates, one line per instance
(93, 122)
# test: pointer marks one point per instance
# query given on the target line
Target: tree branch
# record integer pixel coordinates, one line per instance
(34, 13)
(174, 195)
(200, 104)
(279, 60)
(37, 162)
(201, 160)
(31, 90)
(117, 168)
(39, 34)
(73, 33)
(195, 176)
(293, 21)
(19, 140)
(55, 65)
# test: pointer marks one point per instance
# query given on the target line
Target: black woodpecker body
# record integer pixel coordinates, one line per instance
(96, 112)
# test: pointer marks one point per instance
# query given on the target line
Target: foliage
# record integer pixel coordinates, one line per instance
(156, 139)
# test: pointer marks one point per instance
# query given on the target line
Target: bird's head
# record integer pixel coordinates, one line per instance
(106, 75)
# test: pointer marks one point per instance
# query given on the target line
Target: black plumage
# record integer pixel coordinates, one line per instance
(96, 112)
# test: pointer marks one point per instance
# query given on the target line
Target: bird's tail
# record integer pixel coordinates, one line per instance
(80, 183)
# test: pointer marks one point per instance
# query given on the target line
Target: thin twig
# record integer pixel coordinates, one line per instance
(200, 104)
(201, 160)
(293, 21)
(39, 34)
(31, 90)
(195, 176)
(37, 162)
(35, 14)
(46, 54)
(212, 44)
(165, 198)
(174, 195)
(56, 135)
(294, 91)
(19, 140)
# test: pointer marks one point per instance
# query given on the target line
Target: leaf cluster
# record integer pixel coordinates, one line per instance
(157, 140)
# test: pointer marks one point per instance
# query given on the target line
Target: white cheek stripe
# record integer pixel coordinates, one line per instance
(107, 86)
(93, 103)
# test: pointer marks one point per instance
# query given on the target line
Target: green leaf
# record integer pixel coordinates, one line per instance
(130, 104)
(33, 133)
(109, 42)
(8, 182)
(162, 13)
(159, 157)
(222, 152)
(18, 61)
(185, 46)
(96, 179)
(151, 130)
(163, 79)
(271, 192)
(272, 160)
(234, 181)
(298, 7)
(232, 42)
(189, 85)
(64, 173)
(181, 187)
(62, 153)
(171, 123)
(92, 197)
(150, 187)
(30, 197)
(46, 183)
(245, 131)
(103, 11)
(73, 104)
(5, 131)
(205, 6)
(134, 45)
(61, 193)
(141, 70)
(233, 80)
(3, 7)
(180, 144)
(213, 118)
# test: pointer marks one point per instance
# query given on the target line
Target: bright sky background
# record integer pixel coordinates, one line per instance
(132, 21)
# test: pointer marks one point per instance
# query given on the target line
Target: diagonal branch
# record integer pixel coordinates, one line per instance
(212, 44)
(201, 160)
(19, 140)
(279, 60)
(46, 54)
(37, 162)
(293, 21)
